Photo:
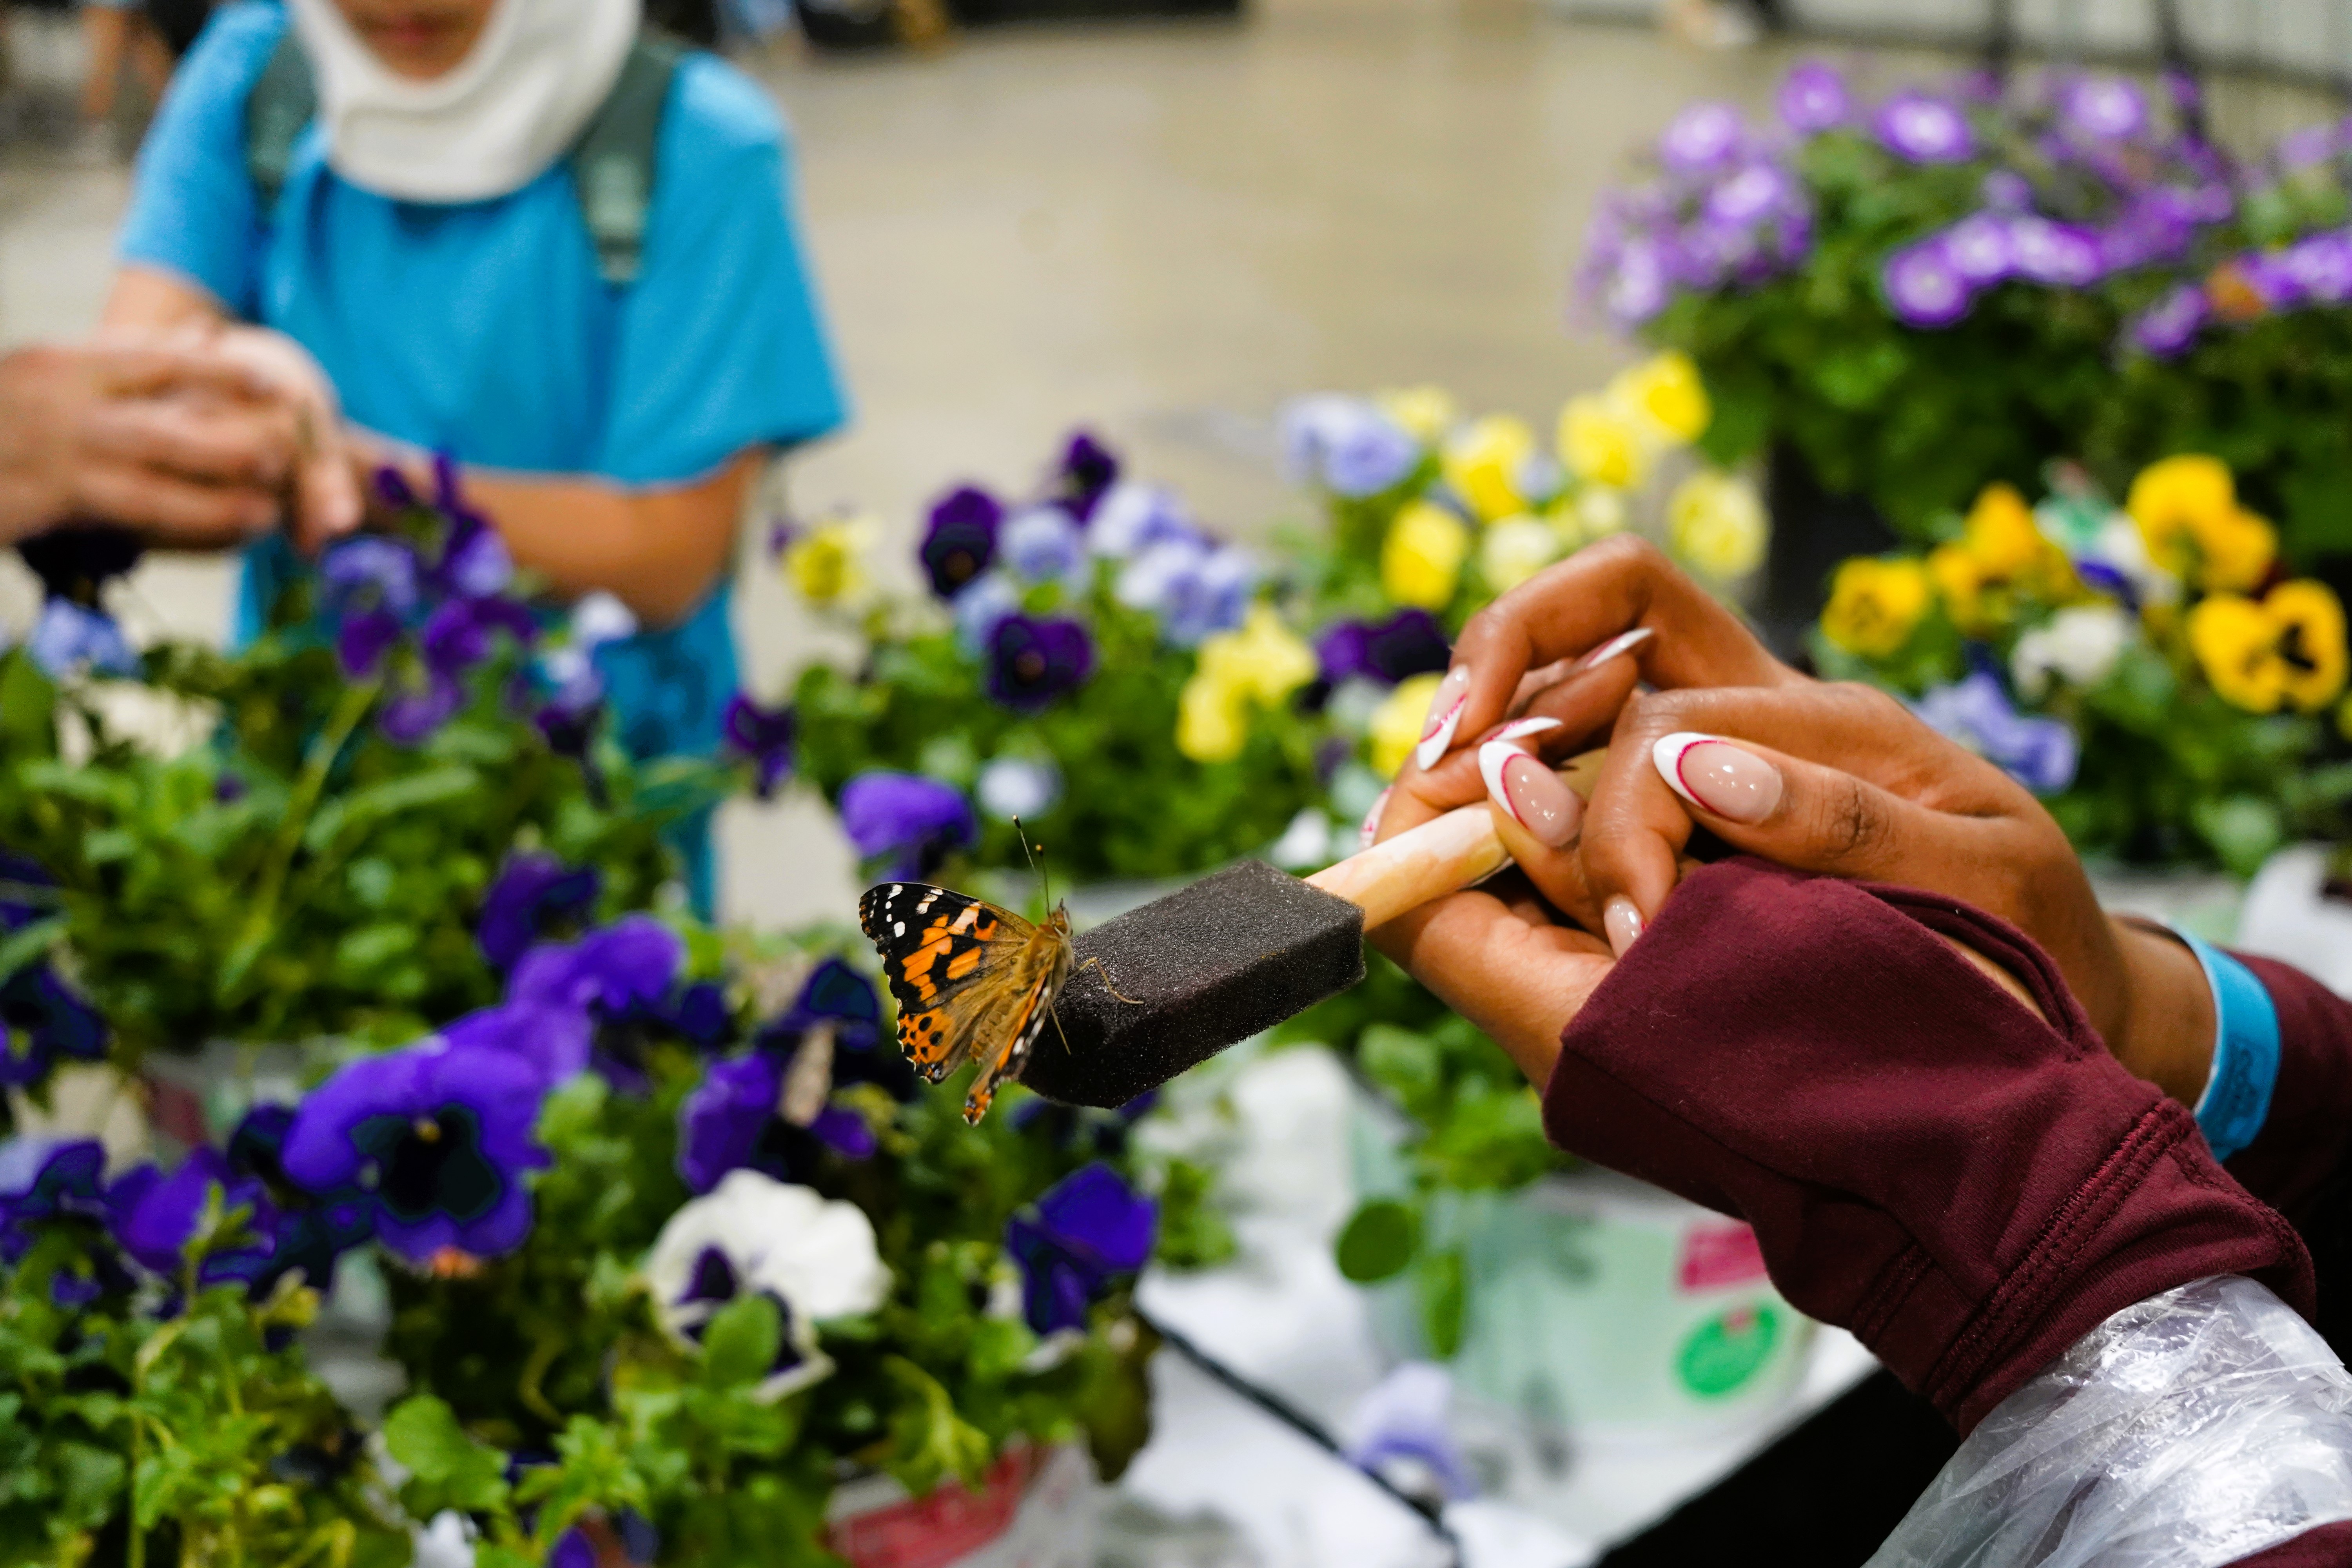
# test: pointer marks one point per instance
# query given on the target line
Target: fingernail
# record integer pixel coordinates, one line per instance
(1370, 830)
(1445, 715)
(1623, 922)
(1530, 793)
(1717, 776)
(1616, 647)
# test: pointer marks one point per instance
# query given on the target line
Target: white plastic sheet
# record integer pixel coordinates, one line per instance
(2190, 1430)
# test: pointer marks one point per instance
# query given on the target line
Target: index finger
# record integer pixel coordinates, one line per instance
(148, 371)
(1612, 588)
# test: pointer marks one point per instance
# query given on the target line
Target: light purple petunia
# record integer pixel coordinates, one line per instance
(2167, 329)
(1814, 98)
(2062, 255)
(1921, 128)
(2102, 107)
(1979, 249)
(1923, 288)
(1701, 138)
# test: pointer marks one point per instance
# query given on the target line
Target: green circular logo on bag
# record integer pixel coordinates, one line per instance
(1725, 1351)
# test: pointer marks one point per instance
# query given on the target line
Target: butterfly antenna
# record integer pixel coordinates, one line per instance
(1037, 853)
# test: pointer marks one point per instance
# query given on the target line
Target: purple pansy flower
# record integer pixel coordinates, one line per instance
(1979, 249)
(2063, 255)
(1043, 545)
(1921, 128)
(731, 1122)
(2166, 329)
(960, 539)
(370, 587)
(554, 1042)
(1132, 518)
(1031, 662)
(763, 737)
(1088, 1228)
(2006, 191)
(473, 562)
(439, 1137)
(155, 1220)
(461, 633)
(532, 895)
(43, 1179)
(44, 1019)
(914, 821)
(1087, 472)
(1407, 644)
(1702, 138)
(69, 637)
(2102, 107)
(617, 972)
(1813, 98)
(838, 994)
(1923, 288)
(312, 1230)
(572, 1549)
(1346, 445)
(2040, 754)
(78, 560)
(412, 716)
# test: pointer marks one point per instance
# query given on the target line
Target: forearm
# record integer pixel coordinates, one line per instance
(660, 552)
(2169, 1021)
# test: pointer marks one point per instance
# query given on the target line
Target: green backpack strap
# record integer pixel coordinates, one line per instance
(283, 100)
(613, 162)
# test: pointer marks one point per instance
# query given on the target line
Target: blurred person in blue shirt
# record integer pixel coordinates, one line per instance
(522, 234)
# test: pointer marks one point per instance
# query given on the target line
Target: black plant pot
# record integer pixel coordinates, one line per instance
(1813, 530)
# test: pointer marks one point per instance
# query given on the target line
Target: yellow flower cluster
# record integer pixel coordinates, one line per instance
(1421, 559)
(826, 563)
(1613, 436)
(1716, 521)
(2286, 648)
(1397, 723)
(2000, 561)
(1238, 672)
(2189, 516)
(1876, 603)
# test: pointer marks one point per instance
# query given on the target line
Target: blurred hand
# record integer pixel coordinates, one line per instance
(188, 447)
(328, 493)
(1835, 779)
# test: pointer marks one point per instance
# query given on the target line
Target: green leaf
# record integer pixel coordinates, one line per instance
(422, 1434)
(739, 1347)
(1443, 1302)
(28, 944)
(1378, 1241)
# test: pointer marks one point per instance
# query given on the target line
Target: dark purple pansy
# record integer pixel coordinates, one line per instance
(1033, 661)
(960, 539)
(44, 1019)
(910, 822)
(1921, 128)
(462, 633)
(763, 737)
(155, 1221)
(2102, 107)
(44, 1179)
(1407, 644)
(370, 572)
(75, 562)
(414, 715)
(572, 1549)
(1087, 471)
(1088, 1230)
(439, 1137)
(731, 1120)
(473, 562)
(535, 897)
(313, 1229)
(1923, 288)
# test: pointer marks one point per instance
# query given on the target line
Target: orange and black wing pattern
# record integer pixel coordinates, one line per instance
(972, 981)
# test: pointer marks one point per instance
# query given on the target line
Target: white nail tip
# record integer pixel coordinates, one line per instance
(1493, 758)
(1430, 750)
(1520, 729)
(1666, 755)
(1624, 642)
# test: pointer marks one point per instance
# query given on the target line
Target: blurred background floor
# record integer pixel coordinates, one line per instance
(1157, 231)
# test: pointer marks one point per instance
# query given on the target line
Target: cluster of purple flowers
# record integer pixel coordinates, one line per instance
(44, 1017)
(1006, 571)
(441, 593)
(1085, 1233)
(2080, 182)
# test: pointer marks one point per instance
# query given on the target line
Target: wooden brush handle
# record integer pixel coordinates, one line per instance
(1440, 856)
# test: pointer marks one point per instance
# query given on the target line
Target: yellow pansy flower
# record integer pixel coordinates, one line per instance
(1397, 723)
(2001, 559)
(1515, 550)
(826, 563)
(1482, 463)
(1426, 413)
(2002, 535)
(1212, 719)
(1263, 658)
(1716, 521)
(1874, 605)
(2287, 648)
(1421, 559)
(2186, 510)
(1665, 394)
(1599, 444)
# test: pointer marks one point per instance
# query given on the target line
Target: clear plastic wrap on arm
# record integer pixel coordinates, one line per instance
(2194, 1428)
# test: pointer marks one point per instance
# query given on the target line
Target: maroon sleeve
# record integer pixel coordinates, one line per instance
(1966, 1187)
(2329, 1546)
(2308, 1134)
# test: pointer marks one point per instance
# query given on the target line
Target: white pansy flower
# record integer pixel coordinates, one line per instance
(1513, 550)
(2079, 645)
(1017, 786)
(753, 1233)
(598, 618)
(1132, 517)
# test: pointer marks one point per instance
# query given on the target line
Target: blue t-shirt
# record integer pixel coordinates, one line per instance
(483, 330)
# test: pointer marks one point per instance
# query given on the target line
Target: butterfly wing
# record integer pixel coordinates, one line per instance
(1036, 979)
(950, 961)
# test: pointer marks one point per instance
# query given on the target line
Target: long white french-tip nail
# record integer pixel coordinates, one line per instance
(1520, 729)
(1666, 756)
(1444, 717)
(1616, 647)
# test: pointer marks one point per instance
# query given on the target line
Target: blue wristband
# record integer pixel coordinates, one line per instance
(2237, 1098)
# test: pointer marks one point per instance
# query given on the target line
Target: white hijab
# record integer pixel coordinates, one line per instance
(492, 123)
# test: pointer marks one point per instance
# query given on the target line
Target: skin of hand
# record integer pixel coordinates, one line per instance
(188, 447)
(1864, 790)
(659, 551)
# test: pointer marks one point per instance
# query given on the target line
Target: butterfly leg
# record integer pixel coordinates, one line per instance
(1096, 966)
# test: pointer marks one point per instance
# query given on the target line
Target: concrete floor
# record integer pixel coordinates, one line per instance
(1158, 231)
